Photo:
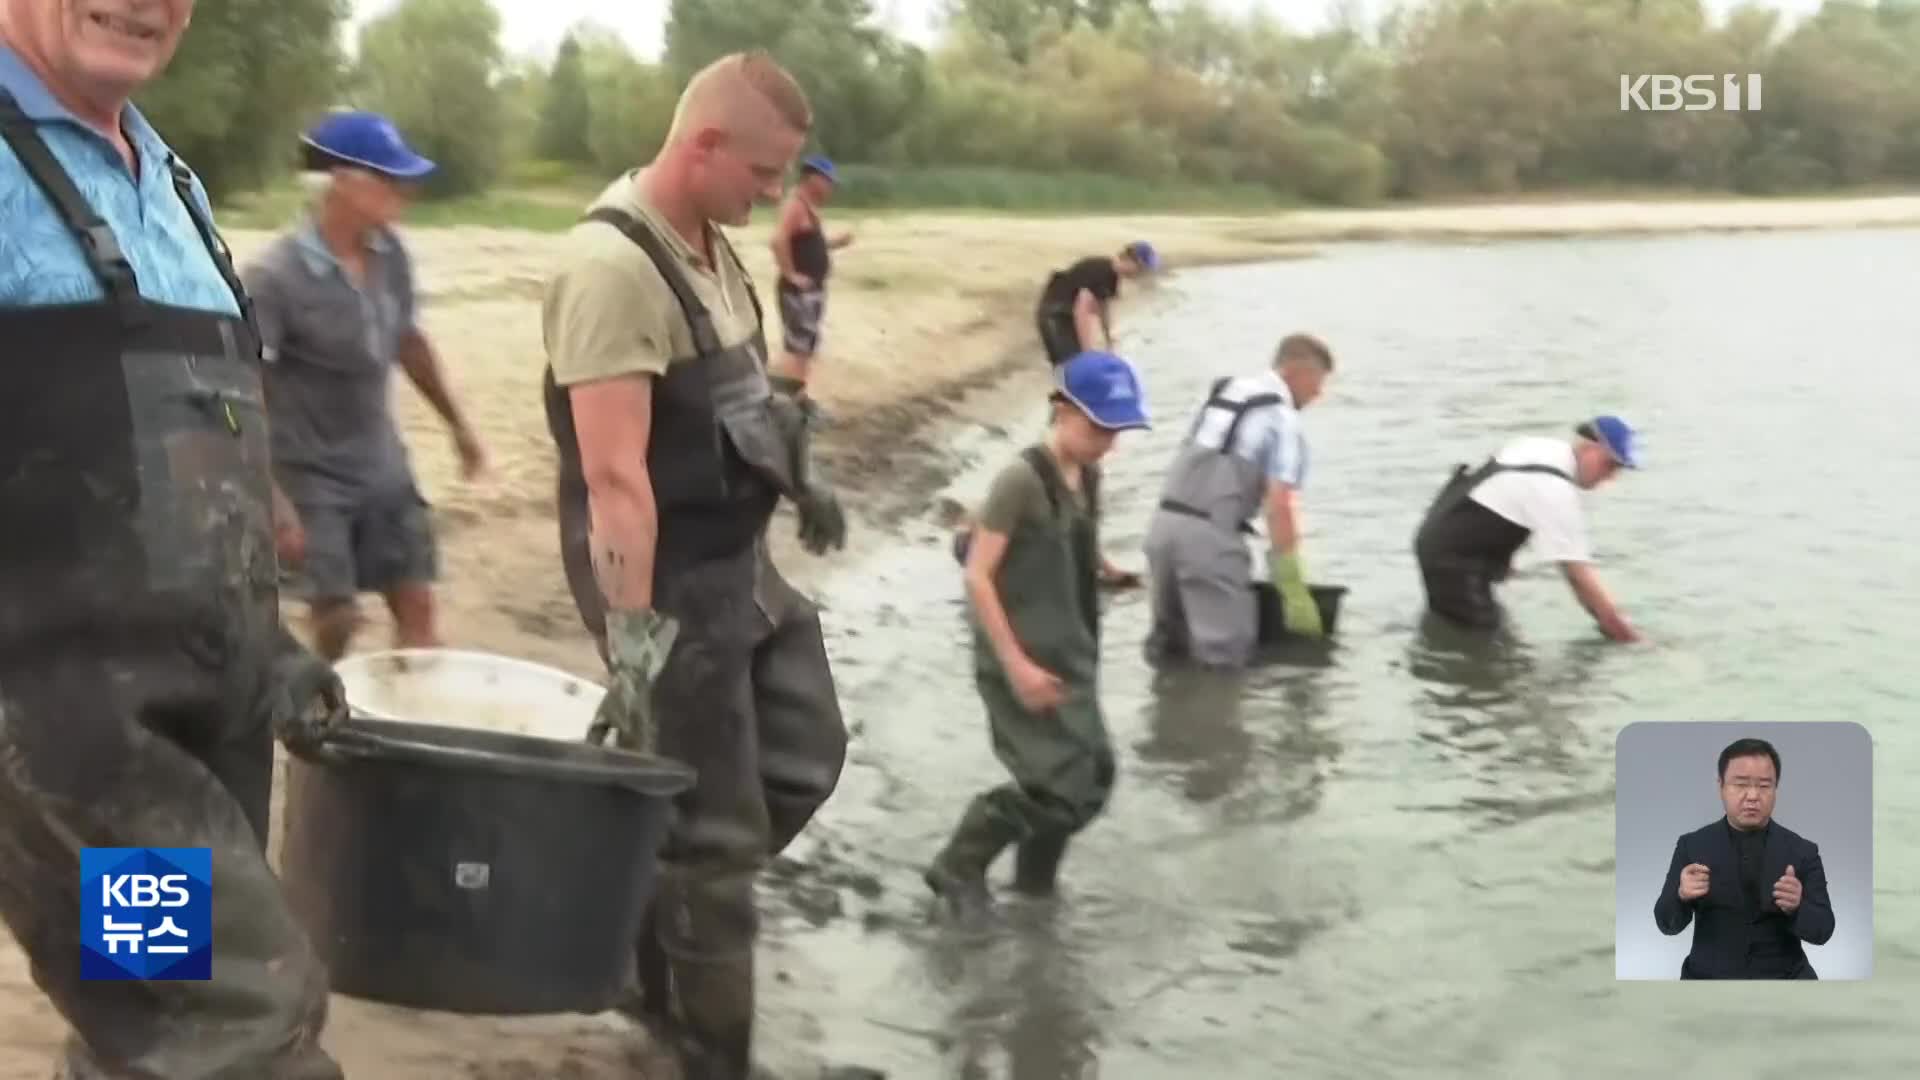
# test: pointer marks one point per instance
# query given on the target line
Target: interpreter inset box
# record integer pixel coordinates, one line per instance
(1743, 850)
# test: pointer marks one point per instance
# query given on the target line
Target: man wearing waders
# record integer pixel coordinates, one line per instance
(1072, 313)
(1245, 456)
(803, 254)
(674, 452)
(1034, 608)
(1528, 493)
(144, 669)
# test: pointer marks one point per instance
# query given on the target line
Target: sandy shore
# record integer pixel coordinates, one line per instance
(920, 305)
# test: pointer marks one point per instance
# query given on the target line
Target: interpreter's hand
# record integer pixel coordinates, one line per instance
(305, 698)
(1786, 891)
(1694, 882)
(638, 644)
(1298, 611)
(473, 457)
(1113, 577)
(844, 239)
(800, 281)
(1036, 687)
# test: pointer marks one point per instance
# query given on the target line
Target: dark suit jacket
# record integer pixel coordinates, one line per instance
(1729, 931)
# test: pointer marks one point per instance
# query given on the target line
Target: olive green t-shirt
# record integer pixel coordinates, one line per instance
(1018, 496)
(608, 311)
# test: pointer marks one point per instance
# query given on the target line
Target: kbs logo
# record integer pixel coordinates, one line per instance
(1694, 93)
(146, 913)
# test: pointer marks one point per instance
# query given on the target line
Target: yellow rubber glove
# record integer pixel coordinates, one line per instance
(1301, 614)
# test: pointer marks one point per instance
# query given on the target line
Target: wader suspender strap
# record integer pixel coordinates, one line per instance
(1455, 493)
(1056, 486)
(97, 243)
(216, 246)
(1547, 469)
(705, 341)
(1240, 410)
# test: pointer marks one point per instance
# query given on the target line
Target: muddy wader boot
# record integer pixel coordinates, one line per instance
(1036, 866)
(958, 874)
(746, 695)
(144, 671)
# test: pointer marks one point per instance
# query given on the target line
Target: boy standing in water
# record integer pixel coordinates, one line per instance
(1032, 575)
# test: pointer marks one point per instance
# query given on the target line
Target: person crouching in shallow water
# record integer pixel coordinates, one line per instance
(1528, 494)
(1032, 582)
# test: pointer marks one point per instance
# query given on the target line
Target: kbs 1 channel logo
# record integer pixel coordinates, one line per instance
(1691, 93)
(146, 913)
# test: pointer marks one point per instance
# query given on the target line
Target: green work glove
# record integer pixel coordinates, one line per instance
(638, 643)
(823, 524)
(1301, 614)
(304, 698)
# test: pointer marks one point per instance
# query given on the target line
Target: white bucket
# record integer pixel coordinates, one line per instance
(459, 688)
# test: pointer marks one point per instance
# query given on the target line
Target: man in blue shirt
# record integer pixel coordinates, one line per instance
(1244, 455)
(337, 314)
(144, 668)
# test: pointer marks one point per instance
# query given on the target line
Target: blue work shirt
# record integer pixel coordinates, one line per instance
(1270, 436)
(41, 262)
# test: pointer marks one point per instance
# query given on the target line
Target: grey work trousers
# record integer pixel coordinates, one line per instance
(1198, 585)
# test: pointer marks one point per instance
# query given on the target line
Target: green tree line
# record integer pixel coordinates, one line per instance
(1440, 97)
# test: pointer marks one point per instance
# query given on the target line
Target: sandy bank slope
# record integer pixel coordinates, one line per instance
(919, 302)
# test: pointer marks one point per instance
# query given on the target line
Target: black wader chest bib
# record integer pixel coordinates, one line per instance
(135, 482)
(716, 459)
(1464, 548)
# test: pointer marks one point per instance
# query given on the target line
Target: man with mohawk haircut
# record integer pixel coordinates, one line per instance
(674, 452)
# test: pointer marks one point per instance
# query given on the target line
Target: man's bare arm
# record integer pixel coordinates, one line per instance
(983, 561)
(1593, 596)
(1283, 517)
(422, 366)
(782, 242)
(612, 421)
(1089, 314)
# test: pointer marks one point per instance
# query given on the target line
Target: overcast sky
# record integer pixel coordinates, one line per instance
(536, 26)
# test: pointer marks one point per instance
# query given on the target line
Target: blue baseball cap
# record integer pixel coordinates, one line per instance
(369, 141)
(1107, 389)
(1144, 254)
(1616, 435)
(819, 164)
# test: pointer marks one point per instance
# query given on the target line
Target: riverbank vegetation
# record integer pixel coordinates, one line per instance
(1096, 105)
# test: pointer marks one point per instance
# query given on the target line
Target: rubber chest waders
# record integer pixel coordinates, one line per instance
(1197, 559)
(746, 697)
(1061, 762)
(1464, 548)
(139, 619)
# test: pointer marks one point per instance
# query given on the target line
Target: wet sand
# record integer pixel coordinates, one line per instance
(922, 309)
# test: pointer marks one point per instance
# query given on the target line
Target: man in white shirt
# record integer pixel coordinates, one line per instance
(1245, 456)
(1528, 493)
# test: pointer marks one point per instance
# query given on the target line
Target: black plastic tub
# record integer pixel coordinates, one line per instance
(472, 871)
(1273, 625)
